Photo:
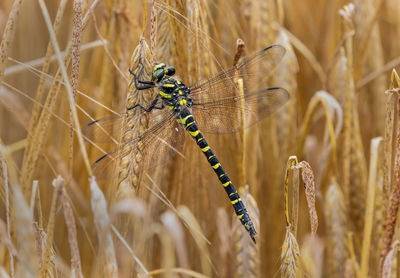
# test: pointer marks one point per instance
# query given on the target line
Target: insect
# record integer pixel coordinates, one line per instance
(216, 104)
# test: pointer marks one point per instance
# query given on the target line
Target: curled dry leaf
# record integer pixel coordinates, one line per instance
(309, 183)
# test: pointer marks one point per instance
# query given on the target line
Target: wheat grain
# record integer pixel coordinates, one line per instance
(392, 210)
(224, 230)
(8, 35)
(76, 41)
(370, 57)
(135, 123)
(24, 237)
(174, 227)
(11, 249)
(354, 166)
(102, 223)
(336, 225)
(72, 236)
(46, 260)
(387, 266)
(290, 256)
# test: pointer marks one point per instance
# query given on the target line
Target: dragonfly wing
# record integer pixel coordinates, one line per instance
(252, 70)
(162, 140)
(104, 130)
(230, 114)
(166, 144)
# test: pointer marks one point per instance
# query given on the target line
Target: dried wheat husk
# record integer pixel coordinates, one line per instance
(47, 258)
(394, 195)
(135, 123)
(225, 250)
(8, 35)
(24, 236)
(336, 227)
(369, 58)
(354, 164)
(5, 233)
(102, 223)
(76, 266)
(290, 256)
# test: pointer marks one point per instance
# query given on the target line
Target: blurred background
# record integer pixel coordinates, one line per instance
(331, 216)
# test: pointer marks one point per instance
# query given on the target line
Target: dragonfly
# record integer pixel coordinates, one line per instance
(215, 104)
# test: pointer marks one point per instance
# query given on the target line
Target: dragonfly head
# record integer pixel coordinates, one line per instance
(161, 70)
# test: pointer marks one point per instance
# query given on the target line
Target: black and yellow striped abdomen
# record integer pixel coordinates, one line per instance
(187, 121)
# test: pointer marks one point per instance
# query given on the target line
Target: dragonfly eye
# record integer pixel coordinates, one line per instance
(158, 74)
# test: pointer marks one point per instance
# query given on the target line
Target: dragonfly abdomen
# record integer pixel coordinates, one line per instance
(187, 121)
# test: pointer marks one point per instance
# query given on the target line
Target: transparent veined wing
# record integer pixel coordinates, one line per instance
(162, 140)
(253, 70)
(220, 103)
(104, 130)
(230, 114)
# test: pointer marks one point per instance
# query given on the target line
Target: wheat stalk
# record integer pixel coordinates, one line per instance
(45, 68)
(369, 213)
(197, 234)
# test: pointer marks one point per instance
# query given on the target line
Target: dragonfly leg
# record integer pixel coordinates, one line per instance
(149, 84)
(138, 77)
(152, 106)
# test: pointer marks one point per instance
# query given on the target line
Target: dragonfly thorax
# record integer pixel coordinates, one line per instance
(174, 93)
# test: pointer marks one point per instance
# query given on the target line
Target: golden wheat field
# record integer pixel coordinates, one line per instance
(320, 176)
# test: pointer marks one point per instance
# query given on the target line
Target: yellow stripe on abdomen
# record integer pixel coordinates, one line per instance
(235, 201)
(216, 166)
(194, 133)
(226, 184)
